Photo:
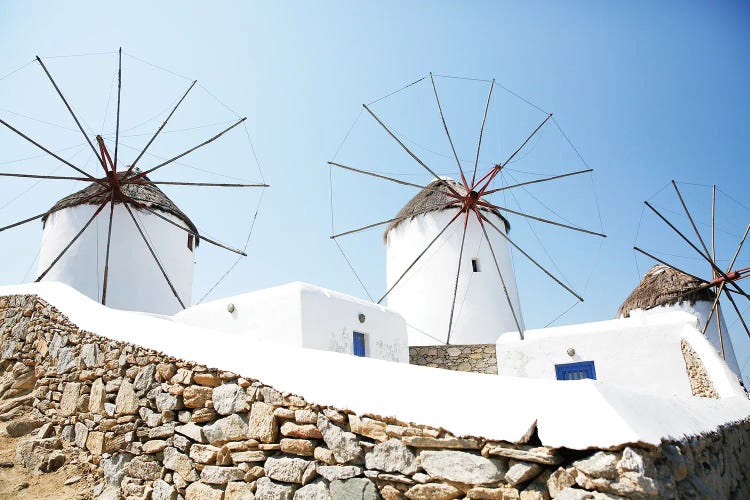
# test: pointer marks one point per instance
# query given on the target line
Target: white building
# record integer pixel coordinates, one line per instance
(425, 294)
(134, 279)
(307, 316)
(651, 348)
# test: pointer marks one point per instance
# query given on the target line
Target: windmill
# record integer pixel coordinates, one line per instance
(462, 215)
(127, 193)
(723, 282)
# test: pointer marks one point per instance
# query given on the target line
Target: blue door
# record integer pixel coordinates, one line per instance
(359, 344)
(576, 371)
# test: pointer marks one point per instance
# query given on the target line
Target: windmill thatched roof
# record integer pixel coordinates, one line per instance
(663, 286)
(146, 193)
(435, 199)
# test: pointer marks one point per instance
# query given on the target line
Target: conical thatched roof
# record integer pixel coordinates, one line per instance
(146, 193)
(663, 286)
(435, 199)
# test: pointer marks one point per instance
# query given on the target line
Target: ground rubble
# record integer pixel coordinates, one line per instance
(140, 424)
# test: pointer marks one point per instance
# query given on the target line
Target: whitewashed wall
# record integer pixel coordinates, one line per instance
(306, 316)
(135, 282)
(641, 354)
(701, 311)
(425, 294)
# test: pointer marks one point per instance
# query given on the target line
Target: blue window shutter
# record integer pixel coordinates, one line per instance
(576, 371)
(359, 344)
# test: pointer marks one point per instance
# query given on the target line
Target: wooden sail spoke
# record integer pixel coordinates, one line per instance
(458, 275)
(737, 310)
(391, 179)
(70, 244)
(145, 173)
(65, 101)
(395, 219)
(546, 179)
(119, 92)
(540, 219)
(199, 184)
(109, 242)
(145, 148)
(51, 177)
(57, 157)
(481, 132)
(421, 254)
(416, 158)
(502, 280)
(530, 258)
(153, 254)
(660, 261)
(692, 222)
(447, 133)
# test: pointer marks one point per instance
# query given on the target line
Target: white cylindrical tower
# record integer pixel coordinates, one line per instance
(663, 289)
(425, 294)
(134, 280)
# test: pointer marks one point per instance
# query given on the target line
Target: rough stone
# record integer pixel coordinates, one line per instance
(354, 489)
(433, 491)
(367, 427)
(302, 447)
(536, 454)
(290, 470)
(114, 467)
(196, 396)
(143, 467)
(212, 474)
(229, 398)
(313, 491)
(69, 401)
(40, 455)
(162, 490)
(126, 402)
(97, 397)
(305, 431)
(440, 443)
(192, 431)
(95, 442)
(180, 463)
(21, 427)
(261, 423)
(231, 428)
(269, 490)
(154, 446)
(207, 379)
(344, 445)
(392, 456)
(237, 490)
(200, 491)
(502, 493)
(145, 378)
(340, 472)
(522, 472)
(203, 453)
(81, 434)
(248, 456)
(462, 467)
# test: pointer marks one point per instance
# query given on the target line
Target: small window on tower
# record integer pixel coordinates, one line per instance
(190, 242)
(475, 265)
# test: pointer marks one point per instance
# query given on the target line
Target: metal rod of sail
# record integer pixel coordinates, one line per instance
(421, 254)
(540, 219)
(692, 222)
(705, 257)
(32, 141)
(713, 223)
(499, 272)
(65, 101)
(713, 308)
(445, 126)
(660, 261)
(491, 191)
(204, 184)
(109, 241)
(481, 132)
(48, 212)
(458, 275)
(397, 181)
(119, 92)
(416, 158)
(395, 219)
(52, 177)
(533, 261)
(70, 244)
(143, 174)
(204, 238)
(153, 254)
(143, 151)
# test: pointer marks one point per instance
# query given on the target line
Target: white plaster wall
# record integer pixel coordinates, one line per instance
(424, 295)
(641, 353)
(306, 316)
(135, 282)
(701, 311)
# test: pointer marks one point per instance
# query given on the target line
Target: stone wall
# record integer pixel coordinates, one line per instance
(478, 358)
(700, 381)
(151, 426)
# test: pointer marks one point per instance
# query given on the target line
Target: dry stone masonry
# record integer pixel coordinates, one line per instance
(479, 358)
(151, 426)
(700, 381)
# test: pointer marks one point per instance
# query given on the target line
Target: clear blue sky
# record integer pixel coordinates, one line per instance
(648, 92)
